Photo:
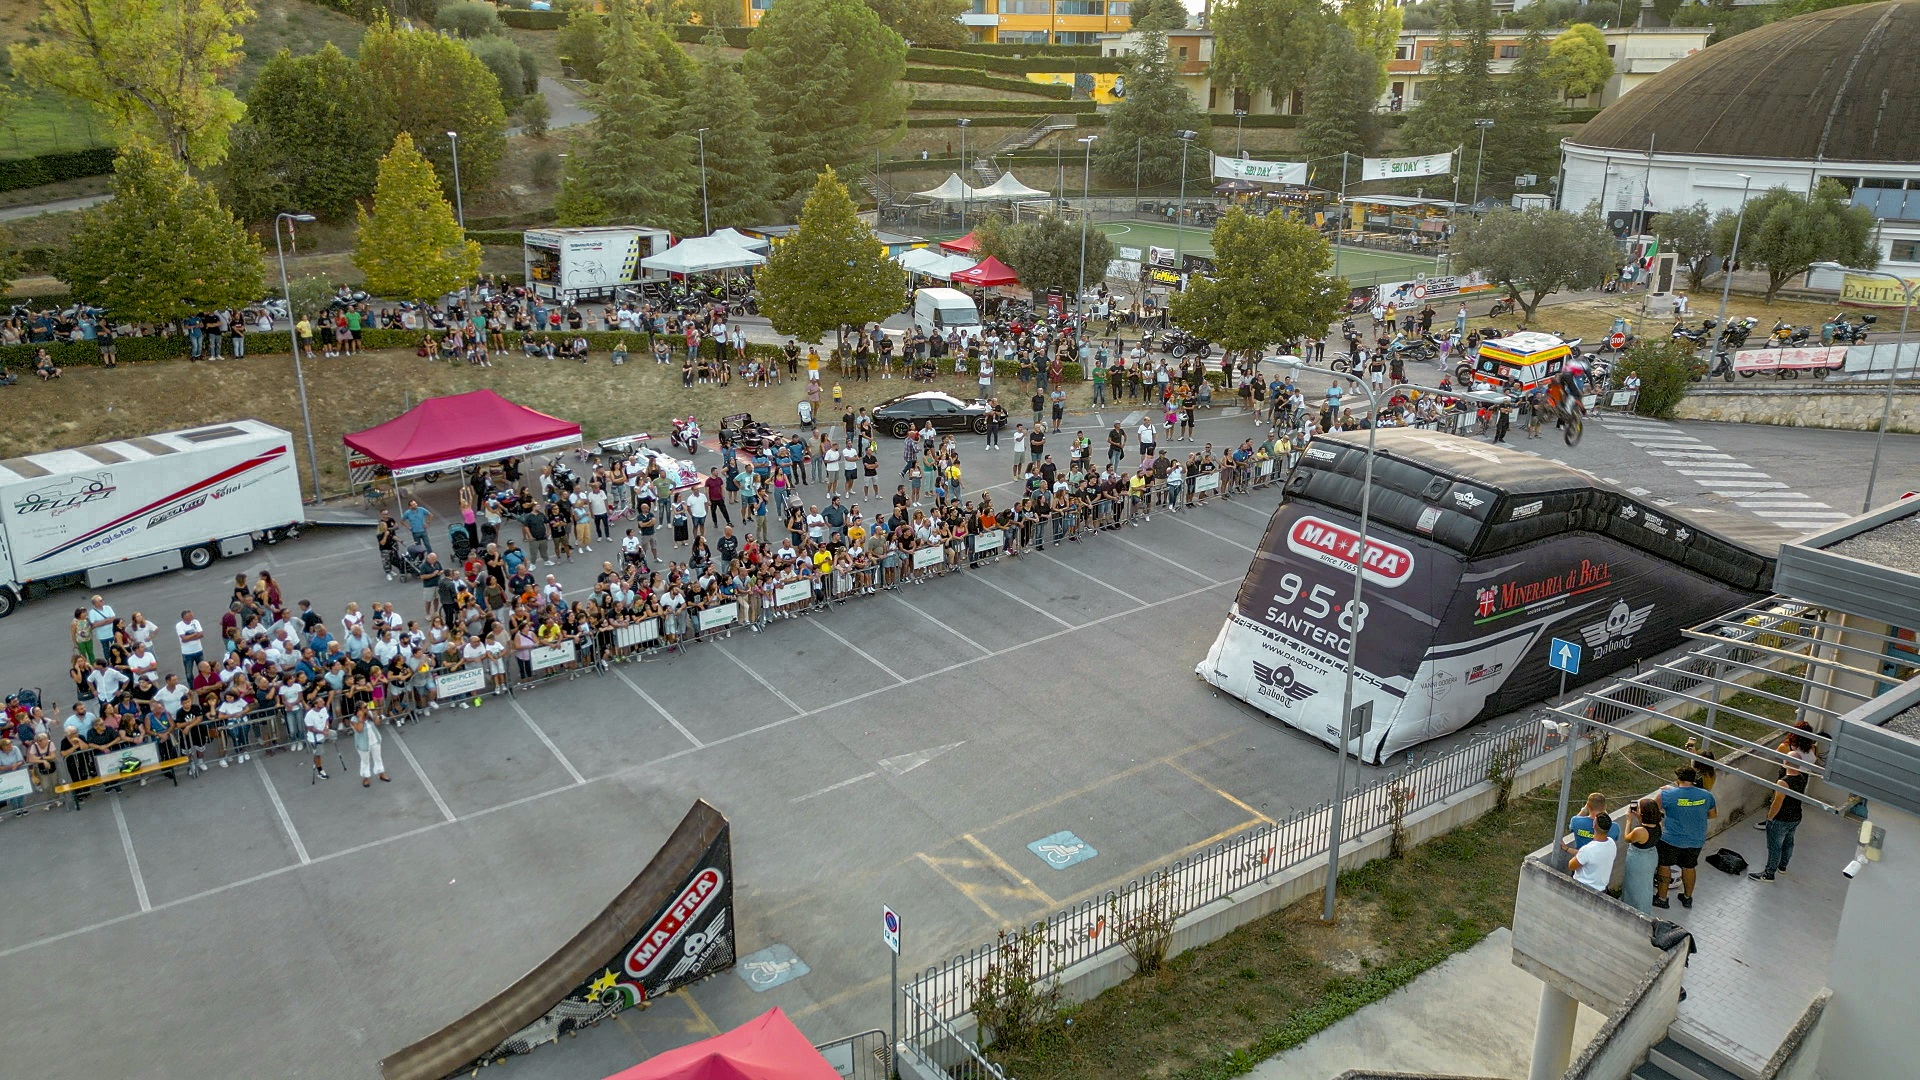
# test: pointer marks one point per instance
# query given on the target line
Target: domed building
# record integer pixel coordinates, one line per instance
(1831, 94)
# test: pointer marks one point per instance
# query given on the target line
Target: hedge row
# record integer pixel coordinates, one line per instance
(1014, 65)
(533, 20)
(963, 105)
(496, 237)
(53, 168)
(1579, 116)
(693, 34)
(994, 48)
(978, 121)
(973, 77)
(144, 349)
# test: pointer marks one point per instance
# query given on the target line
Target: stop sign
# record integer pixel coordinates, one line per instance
(1617, 340)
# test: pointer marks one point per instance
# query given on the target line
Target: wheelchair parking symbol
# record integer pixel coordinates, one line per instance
(1062, 849)
(770, 967)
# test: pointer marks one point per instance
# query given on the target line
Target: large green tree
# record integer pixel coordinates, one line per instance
(1045, 253)
(410, 247)
(1271, 283)
(1159, 15)
(1688, 232)
(924, 22)
(1462, 88)
(827, 75)
(278, 164)
(1266, 44)
(1339, 99)
(1141, 129)
(426, 85)
(1580, 64)
(163, 247)
(1533, 253)
(1523, 105)
(1526, 108)
(152, 67)
(635, 166)
(1375, 25)
(1786, 232)
(739, 160)
(831, 273)
(578, 42)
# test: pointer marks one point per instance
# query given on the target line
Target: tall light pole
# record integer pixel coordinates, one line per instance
(706, 212)
(1137, 144)
(1059, 180)
(1086, 211)
(1239, 131)
(293, 335)
(1893, 367)
(1480, 159)
(1726, 272)
(1180, 215)
(459, 209)
(963, 122)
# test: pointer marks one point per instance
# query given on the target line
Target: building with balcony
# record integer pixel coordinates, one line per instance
(1827, 95)
(1020, 22)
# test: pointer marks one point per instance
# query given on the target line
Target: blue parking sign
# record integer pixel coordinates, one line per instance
(1564, 655)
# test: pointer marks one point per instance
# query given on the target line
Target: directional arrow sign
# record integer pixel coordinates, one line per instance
(1564, 655)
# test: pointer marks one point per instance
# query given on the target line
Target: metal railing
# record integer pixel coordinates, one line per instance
(943, 1047)
(859, 1057)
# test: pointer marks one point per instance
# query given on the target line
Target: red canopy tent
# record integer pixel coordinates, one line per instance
(964, 246)
(441, 434)
(767, 1047)
(990, 271)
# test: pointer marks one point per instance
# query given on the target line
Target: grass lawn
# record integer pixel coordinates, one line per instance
(1218, 1011)
(1358, 265)
(351, 393)
(43, 122)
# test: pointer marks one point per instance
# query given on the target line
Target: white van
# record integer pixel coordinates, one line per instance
(936, 311)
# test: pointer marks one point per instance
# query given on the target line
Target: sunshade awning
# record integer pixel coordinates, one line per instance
(742, 240)
(767, 1047)
(963, 245)
(920, 260)
(988, 273)
(1009, 187)
(702, 254)
(445, 433)
(953, 189)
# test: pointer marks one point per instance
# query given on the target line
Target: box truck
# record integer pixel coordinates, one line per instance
(937, 311)
(576, 264)
(120, 510)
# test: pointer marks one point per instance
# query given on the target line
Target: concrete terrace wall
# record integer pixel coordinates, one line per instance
(1641, 1021)
(1853, 408)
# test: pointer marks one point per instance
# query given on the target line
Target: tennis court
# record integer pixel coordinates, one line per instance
(1357, 265)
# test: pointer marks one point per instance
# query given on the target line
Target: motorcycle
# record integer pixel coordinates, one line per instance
(1841, 330)
(1787, 335)
(1503, 306)
(1734, 336)
(686, 435)
(1178, 342)
(1681, 332)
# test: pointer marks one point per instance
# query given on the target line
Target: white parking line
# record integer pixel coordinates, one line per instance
(664, 714)
(943, 626)
(133, 861)
(858, 651)
(1182, 519)
(414, 764)
(548, 743)
(1729, 482)
(1778, 500)
(834, 787)
(1021, 600)
(1090, 577)
(1156, 555)
(761, 679)
(286, 819)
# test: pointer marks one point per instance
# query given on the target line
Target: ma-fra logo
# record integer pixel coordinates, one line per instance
(1338, 546)
(68, 494)
(693, 900)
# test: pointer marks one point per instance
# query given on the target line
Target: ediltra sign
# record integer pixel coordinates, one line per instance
(1443, 639)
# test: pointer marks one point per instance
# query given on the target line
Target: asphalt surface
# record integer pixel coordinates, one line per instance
(903, 749)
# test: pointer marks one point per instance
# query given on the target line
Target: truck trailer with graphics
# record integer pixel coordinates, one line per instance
(127, 509)
(596, 261)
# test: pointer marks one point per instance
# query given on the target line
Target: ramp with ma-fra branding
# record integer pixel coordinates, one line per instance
(673, 925)
(1476, 558)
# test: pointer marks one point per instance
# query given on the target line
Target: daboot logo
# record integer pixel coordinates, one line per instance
(692, 901)
(1338, 546)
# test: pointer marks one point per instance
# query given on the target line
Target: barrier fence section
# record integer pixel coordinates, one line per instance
(859, 1057)
(941, 1046)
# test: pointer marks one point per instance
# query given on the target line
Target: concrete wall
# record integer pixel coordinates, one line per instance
(1875, 969)
(1799, 1055)
(1641, 1021)
(1583, 943)
(1801, 404)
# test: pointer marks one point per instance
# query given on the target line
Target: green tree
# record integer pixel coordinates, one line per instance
(469, 19)
(163, 247)
(535, 115)
(578, 42)
(1689, 232)
(1159, 15)
(1375, 25)
(1580, 64)
(426, 85)
(1266, 44)
(1665, 366)
(1534, 253)
(1271, 283)
(410, 247)
(1787, 232)
(826, 75)
(1527, 105)
(924, 22)
(150, 67)
(832, 272)
(634, 166)
(1523, 106)
(278, 164)
(515, 71)
(1046, 254)
(1339, 99)
(739, 160)
(1144, 122)
(1462, 89)
(717, 12)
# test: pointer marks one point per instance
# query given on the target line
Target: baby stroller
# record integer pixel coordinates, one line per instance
(461, 539)
(409, 562)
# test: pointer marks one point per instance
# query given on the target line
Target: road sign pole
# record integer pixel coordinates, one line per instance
(1566, 775)
(893, 1039)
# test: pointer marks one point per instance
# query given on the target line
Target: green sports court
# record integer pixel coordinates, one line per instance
(1358, 265)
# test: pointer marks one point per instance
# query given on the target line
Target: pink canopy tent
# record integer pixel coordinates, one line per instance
(964, 245)
(767, 1047)
(446, 433)
(989, 272)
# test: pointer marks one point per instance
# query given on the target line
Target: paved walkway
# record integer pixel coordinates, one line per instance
(565, 106)
(16, 213)
(1471, 1016)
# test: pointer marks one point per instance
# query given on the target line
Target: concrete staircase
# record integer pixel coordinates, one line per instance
(1678, 1057)
(1026, 140)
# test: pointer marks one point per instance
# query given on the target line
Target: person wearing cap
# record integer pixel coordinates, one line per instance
(314, 723)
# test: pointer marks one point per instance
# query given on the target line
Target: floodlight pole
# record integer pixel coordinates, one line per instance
(1180, 215)
(293, 335)
(459, 207)
(1086, 187)
(1481, 158)
(963, 122)
(1726, 272)
(706, 214)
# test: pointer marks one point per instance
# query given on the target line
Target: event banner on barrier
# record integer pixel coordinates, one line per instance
(462, 683)
(717, 615)
(109, 761)
(1206, 483)
(793, 592)
(1394, 168)
(989, 541)
(17, 784)
(927, 556)
(1763, 360)
(639, 633)
(552, 656)
(1266, 172)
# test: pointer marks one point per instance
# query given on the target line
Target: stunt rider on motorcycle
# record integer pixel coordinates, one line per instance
(1569, 387)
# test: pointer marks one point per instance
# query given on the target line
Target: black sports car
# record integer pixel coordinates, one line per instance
(947, 412)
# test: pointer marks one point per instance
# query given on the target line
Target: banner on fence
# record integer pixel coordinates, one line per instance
(988, 541)
(718, 615)
(1266, 172)
(551, 656)
(462, 683)
(1204, 484)
(637, 634)
(793, 592)
(108, 761)
(927, 556)
(17, 784)
(1392, 168)
(1759, 361)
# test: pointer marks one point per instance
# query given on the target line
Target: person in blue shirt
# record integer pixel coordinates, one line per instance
(1687, 807)
(1581, 825)
(416, 517)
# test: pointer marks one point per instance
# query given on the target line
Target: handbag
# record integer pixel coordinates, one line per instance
(1728, 861)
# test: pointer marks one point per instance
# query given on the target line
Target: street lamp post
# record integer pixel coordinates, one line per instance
(706, 212)
(1059, 180)
(1239, 132)
(1481, 158)
(1893, 366)
(1086, 187)
(963, 122)
(1180, 215)
(293, 335)
(459, 208)
(1726, 272)
(1137, 144)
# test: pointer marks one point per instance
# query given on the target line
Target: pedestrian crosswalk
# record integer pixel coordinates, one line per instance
(1719, 473)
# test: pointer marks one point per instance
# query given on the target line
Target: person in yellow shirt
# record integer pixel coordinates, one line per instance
(813, 364)
(856, 533)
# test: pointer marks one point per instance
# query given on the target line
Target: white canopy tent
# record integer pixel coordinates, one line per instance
(1007, 187)
(740, 239)
(953, 190)
(920, 260)
(702, 254)
(950, 265)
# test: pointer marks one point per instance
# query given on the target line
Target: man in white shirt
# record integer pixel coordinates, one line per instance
(316, 721)
(105, 682)
(1147, 432)
(1592, 865)
(191, 634)
(141, 660)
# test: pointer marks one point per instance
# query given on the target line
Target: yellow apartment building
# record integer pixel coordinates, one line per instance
(1021, 22)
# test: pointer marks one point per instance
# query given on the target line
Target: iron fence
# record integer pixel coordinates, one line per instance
(864, 1056)
(941, 1046)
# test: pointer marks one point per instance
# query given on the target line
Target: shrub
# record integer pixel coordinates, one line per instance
(535, 115)
(1015, 65)
(969, 106)
(694, 34)
(53, 168)
(1012, 1001)
(972, 77)
(469, 19)
(533, 20)
(1665, 367)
